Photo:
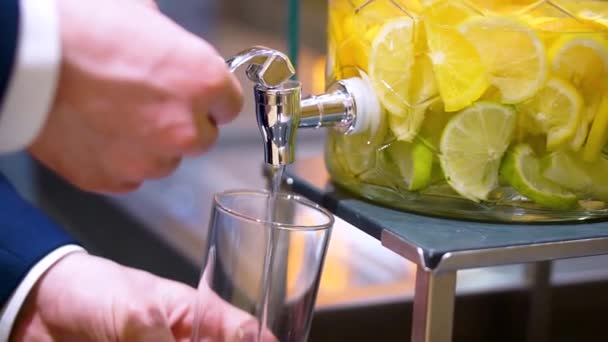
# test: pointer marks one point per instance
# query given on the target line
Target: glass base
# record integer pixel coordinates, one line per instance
(508, 209)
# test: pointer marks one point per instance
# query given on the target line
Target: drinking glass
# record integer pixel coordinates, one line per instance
(265, 265)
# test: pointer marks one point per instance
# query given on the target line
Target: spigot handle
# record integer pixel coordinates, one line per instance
(266, 67)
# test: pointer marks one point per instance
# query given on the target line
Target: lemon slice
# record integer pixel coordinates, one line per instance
(556, 110)
(593, 11)
(512, 53)
(598, 135)
(582, 59)
(406, 128)
(580, 136)
(503, 6)
(565, 169)
(598, 171)
(346, 48)
(352, 28)
(360, 150)
(521, 169)
(460, 75)
(414, 162)
(422, 93)
(561, 24)
(472, 145)
(447, 13)
(392, 57)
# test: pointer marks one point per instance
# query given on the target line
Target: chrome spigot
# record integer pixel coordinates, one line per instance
(280, 109)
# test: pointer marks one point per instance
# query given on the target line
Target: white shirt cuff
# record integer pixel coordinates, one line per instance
(9, 312)
(31, 89)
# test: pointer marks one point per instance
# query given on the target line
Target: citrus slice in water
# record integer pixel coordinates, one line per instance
(512, 53)
(565, 169)
(460, 75)
(592, 11)
(598, 171)
(555, 110)
(582, 59)
(360, 150)
(351, 30)
(434, 123)
(472, 145)
(580, 136)
(598, 135)
(406, 127)
(422, 93)
(521, 169)
(390, 66)
(414, 162)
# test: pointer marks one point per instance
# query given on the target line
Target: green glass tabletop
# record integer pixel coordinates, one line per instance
(435, 236)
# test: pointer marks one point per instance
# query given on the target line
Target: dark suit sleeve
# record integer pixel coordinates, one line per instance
(9, 27)
(26, 236)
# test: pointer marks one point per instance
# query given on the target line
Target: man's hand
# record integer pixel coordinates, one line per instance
(86, 298)
(136, 93)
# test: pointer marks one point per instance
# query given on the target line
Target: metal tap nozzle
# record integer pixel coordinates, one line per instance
(280, 109)
(266, 66)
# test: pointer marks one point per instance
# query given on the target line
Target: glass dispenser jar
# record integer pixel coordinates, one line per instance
(492, 109)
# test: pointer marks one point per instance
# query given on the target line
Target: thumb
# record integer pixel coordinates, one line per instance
(150, 3)
(179, 300)
(219, 320)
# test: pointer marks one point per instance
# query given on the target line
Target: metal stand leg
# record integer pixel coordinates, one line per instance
(433, 306)
(540, 301)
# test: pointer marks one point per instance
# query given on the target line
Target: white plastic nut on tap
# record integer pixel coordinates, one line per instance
(367, 107)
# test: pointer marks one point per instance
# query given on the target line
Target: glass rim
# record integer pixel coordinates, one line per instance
(286, 195)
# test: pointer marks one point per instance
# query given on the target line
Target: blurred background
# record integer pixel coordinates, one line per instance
(366, 290)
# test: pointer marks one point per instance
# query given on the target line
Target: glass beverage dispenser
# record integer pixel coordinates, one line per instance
(491, 109)
(475, 109)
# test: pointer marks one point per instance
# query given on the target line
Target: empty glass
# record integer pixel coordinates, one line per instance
(275, 289)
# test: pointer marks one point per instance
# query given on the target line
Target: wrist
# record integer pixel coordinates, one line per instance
(45, 296)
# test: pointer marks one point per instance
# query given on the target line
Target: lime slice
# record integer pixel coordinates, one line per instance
(521, 169)
(435, 121)
(472, 145)
(555, 110)
(517, 64)
(566, 170)
(392, 57)
(415, 163)
(460, 75)
(598, 135)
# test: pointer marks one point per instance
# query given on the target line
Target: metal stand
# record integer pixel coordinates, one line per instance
(539, 319)
(433, 306)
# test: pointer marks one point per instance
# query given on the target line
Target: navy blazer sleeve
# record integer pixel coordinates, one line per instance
(9, 27)
(26, 236)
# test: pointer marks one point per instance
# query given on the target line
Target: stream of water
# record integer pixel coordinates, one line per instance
(272, 246)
